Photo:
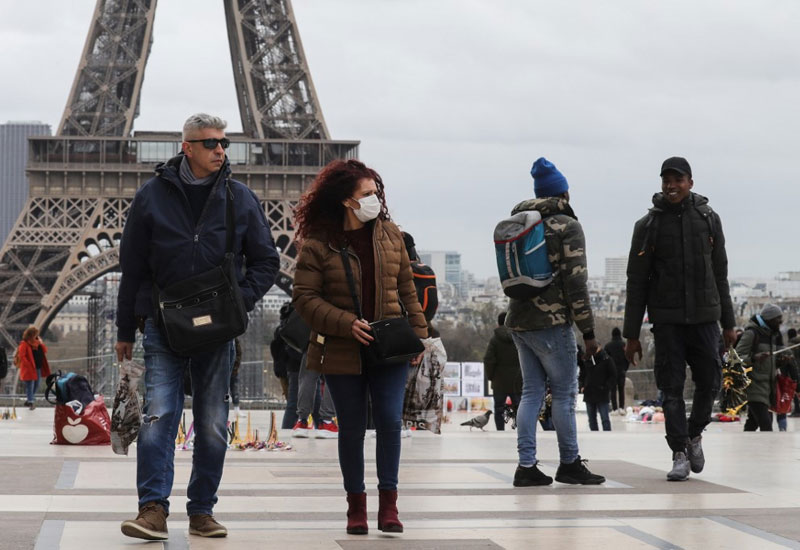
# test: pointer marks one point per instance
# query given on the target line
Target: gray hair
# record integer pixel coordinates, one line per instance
(200, 121)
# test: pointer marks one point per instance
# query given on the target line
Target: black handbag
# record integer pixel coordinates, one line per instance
(394, 339)
(295, 332)
(206, 310)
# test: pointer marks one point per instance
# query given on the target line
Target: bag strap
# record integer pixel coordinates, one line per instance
(348, 270)
(351, 283)
(50, 387)
(229, 217)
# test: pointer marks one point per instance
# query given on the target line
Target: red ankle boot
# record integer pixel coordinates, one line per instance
(357, 514)
(387, 512)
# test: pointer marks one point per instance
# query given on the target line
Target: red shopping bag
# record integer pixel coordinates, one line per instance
(785, 389)
(89, 426)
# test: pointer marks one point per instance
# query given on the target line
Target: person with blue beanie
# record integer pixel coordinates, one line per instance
(547, 180)
(542, 331)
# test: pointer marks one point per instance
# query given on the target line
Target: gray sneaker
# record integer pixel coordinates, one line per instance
(694, 452)
(680, 467)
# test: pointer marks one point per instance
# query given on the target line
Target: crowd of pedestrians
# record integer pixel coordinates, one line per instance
(355, 270)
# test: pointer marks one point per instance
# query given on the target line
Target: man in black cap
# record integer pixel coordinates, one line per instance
(678, 272)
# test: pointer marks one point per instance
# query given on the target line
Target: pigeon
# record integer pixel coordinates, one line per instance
(478, 421)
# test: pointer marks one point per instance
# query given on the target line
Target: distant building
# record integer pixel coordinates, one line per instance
(13, 158)
(616, 272)
(274, 299)
(446, 265)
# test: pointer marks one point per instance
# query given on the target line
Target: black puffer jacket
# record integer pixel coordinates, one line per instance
(596, 378)
(678, 267)
(502, 363)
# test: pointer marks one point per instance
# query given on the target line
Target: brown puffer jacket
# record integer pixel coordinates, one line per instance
(322, 296)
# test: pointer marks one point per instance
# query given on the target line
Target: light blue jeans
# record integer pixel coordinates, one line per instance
(163, 408)
(547, 356)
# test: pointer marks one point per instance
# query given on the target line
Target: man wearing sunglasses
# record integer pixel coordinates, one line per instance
(174, 230)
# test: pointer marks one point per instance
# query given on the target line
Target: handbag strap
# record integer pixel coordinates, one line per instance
(352, 284)
(229, 217)
(348, 270)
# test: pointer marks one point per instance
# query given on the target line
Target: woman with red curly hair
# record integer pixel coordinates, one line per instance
(345, 209)
(33, 364)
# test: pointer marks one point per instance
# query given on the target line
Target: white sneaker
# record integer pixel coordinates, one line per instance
(302, 429)
(405, 432)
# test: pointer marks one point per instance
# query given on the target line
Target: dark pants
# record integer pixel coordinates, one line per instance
(758, 418)
(386, 386)
(290, 414)
(621, 389)
(592, 409)
(677, 345)
(500, 405)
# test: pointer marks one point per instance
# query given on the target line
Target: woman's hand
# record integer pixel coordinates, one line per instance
(360, 330)
(417, 360)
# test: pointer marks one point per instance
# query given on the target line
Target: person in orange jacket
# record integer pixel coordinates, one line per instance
(33, 364)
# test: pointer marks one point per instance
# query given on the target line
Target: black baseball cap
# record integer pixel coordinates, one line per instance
(679, 164)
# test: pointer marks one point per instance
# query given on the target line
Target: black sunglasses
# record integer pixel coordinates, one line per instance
(211, 143)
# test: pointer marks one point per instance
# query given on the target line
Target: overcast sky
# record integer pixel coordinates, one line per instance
(453, 100)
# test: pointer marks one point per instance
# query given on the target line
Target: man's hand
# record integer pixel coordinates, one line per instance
(124, 351)
(633, 347)
(728, 337)
(418, 359)
(360, 331)
(592, 347)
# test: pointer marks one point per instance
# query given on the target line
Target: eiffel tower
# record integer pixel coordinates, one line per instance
(82, 180)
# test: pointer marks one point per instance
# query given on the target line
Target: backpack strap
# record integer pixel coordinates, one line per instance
(50, 387)
(650, 231)
(707, 213)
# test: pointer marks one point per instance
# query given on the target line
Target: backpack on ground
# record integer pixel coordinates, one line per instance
(521, 251)
(68, 387)
(425, 283)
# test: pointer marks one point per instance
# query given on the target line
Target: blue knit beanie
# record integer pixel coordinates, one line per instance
(547, 180)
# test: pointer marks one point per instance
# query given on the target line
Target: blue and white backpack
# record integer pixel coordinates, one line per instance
(521, 250)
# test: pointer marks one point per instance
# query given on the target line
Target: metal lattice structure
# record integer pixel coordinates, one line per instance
(83, 180)
(104, 98)
(273, 83)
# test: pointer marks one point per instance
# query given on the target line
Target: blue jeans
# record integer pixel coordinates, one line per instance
(386, 385)
(163, 408)
(32, 385)
(547, 355)
(592, 409)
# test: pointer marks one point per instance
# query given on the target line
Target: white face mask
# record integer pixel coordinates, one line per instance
(370, 208)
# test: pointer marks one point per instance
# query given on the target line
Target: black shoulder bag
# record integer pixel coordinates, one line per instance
(206, 310)
(394, 339)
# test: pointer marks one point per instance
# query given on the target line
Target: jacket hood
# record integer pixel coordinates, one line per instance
(753, 323)
(502, 333)
(660, 203)
(546, 206)
(170, 169)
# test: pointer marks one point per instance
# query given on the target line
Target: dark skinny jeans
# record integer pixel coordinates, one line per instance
(385, 385)
(677, 345)
(758, 418)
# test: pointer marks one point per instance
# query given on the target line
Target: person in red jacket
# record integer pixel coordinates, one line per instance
(32, 363)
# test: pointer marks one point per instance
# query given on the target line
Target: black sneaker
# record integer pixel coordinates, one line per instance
(577, 474)
(531, 476)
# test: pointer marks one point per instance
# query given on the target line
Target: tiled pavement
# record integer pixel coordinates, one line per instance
(455, 493)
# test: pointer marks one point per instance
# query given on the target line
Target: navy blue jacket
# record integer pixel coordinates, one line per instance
(161, 242)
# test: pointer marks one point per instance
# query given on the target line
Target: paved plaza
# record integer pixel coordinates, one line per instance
(455, 493)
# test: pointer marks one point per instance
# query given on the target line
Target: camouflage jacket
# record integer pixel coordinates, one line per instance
(566, 299)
